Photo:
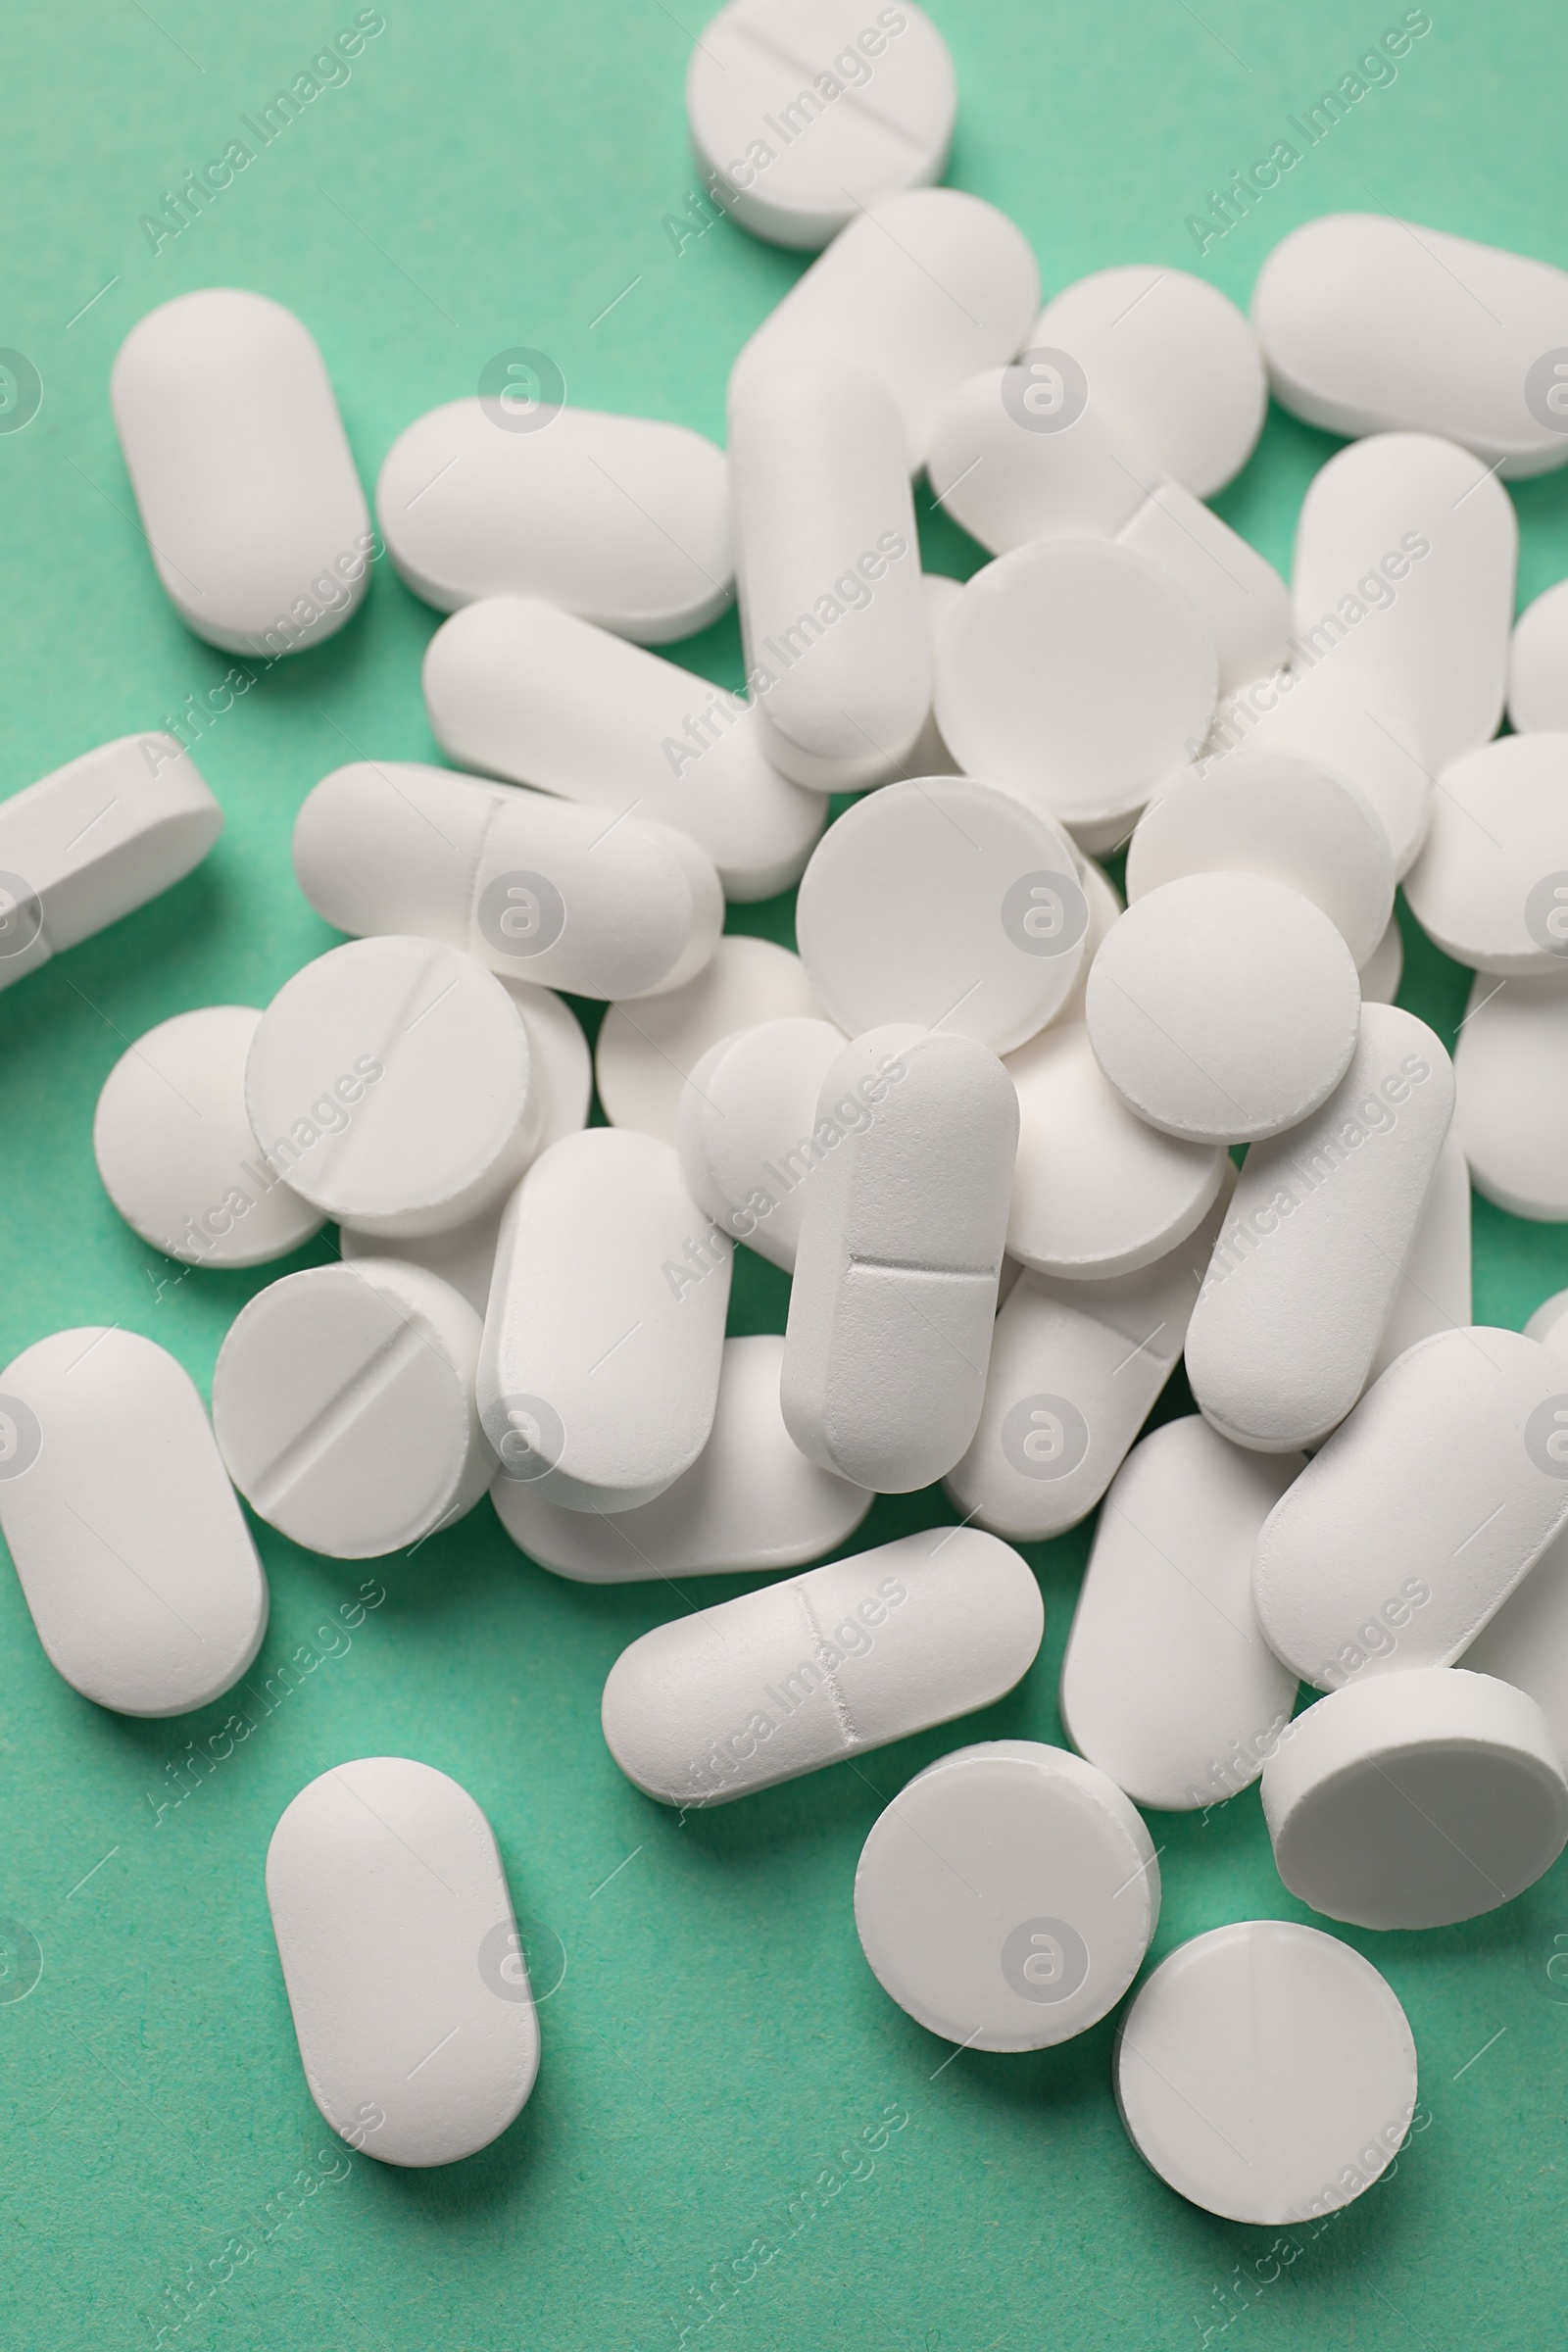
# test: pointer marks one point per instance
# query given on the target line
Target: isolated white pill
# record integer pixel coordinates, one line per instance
(406, 1973)
(97, 838)
(1423, 1511)
(1370, 326)
(603, 1339)
(1074, 673)
(1490, 886)
(1384, 968)
(923, 288)
(1266, 2071)
(177, 1155)
(747, 1130)
(1416, 1799)
(1434, 1293)
(131, 1551)
(1334, 726)
(1223, 1007)
(902, 1233)
(620, 518)
(647, 1051)
(929, 755)
(1007, 1897)
(1511, 1068)
(516, 689)
(1537, 664)
(243, 476)
(945, 900)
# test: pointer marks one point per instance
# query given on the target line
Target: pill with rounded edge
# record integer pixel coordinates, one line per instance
(930, 755)
(1335, 728)
(746, 1129)
(1511, 1069)
(1105, 906)
(1537, 664)
(462, 1256)
(1434, 1290)
(646, 1054)
(1526, 1644)
(1490, 886)
(1384, 968)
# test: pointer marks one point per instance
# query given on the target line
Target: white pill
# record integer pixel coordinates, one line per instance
(244, 479)
(1511, 1066)
(464, 1257)
(1422, 1513)
(1416, 1799)
(895, 1290)
(1490, 886)
(804, 1673)
(922, 288)
(343, 1406)
(747, 1130)
(1371, 327)
(948, 902)
(94, 840)
(930, 755)
(518, 690)
(406, 1973)
(1537, 664)
(751, 1499)
(388, 1081)
(1403, 585)
(1105, 906)
(1096, 1190)
(132, 1554)
(605, 1330)
(1434, 1292)
(1311, 1255)
(1077, 675)
(1305, 712)
(1549, 1323)
(1384, 968)
(1266, 2072)
(620, 518)
(1007, 1897)
(1223, 1007)
(1526, 1644)
(802, 115)
(647, 1051)
(177, 1155)
(1168, 1684)
(1171, 365)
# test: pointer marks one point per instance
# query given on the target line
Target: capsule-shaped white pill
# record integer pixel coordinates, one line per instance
(895, 1290)
(1490, 886)
(132, 1553)
(406, 1972)
(748, 1131)
(804, 1673)
(1434, 1292)
(1537, 664)
(1305, 712)
(646, 1053)
(249, 500)
(1511, 1069)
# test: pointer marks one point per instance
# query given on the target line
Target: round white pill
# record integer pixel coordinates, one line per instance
(1537, 664)
(389, 1081)
(1416, 1799)
(1384, 968)
(1224, 1007)
(177, 1155)
(747, 1130)
(1338, 728)
(1490, 886)
(647, 1051)
(1007, 1895)
(1266, 2071)
(1511, 1115)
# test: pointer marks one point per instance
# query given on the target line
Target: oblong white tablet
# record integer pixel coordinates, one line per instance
(603, 1339)
(801, 1674)
(621, 518)
(132, 1554)
(389, 1082)
(1384, 968)
(1423, 1511)
(1416, 1799)
(1168, 1684)
(1371, 327)
(177, 1155)
(1007, 1895)
(516, 689)
(406, 1973)
(243, 476)
(1223, 1007)
(945, 900)
(1312, 1252)
(94, 840)
(1511, 1069)
(1266, 2071)
(1537, 664)
(1306, 712)
(894, 1291)
(746, 1129)
(1490, 886)
(646, 1053)
(1435, 1287)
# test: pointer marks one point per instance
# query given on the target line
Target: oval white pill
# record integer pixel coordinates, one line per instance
(620, 518)
(1416, 1799)
(132, 1554)
(243, 475)
(406, 1973)
(1007, 1897)
(646, 1053)
(1266, 2071)
(746, 1130)
(1435, 1289)
(1335, 727)
(1384, 968)
(1490, 886)
(1511, 1069)
(1537, 664)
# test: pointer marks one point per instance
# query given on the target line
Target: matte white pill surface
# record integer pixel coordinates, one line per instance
(1490, 886)
(177, 1155)
(462, 1256)
(1007, 1895)
(647, 1051)
(1423, 1511)
(1384, 968)
(747, 1130)
(1434, 1292)
(930, 755)
(405, 1969)
(1537, 664)
(1266, 2071)
(1105, 906)
(1335, 728)
(619, 518)
(516, 689)
(97, 838)
(1511, 1068)
(252, 509)
(948, 902)
(132, 1553)
(1549, 1323)
(1416, 1799)
(1526, 1644)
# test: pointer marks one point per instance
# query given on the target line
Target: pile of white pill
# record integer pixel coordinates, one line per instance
(983, 1084)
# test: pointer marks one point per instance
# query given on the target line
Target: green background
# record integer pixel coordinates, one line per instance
(494, 175)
